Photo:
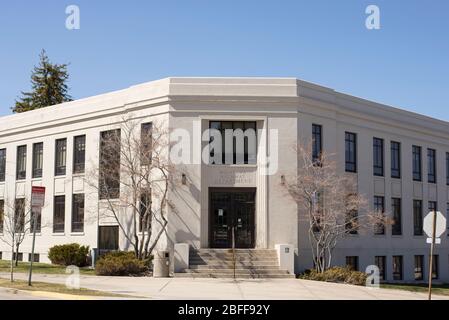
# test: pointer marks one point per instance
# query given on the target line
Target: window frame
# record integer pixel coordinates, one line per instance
(21, 162)
(379, 226)
(60, 157)
(57, 215)
(352, 262)
(417, 163)
(381, 263)
(418, 218)
(395, 149)
(2, 164)
(400, 272)
(317, 142)
(431, 166)
(351, 152)
(79, 154)
(38, 160)
(396, 209)
(420, 259)
(378, 147)
(78, 212)
(112, 192)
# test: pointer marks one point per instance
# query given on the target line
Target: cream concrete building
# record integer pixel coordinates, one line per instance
(398, 158)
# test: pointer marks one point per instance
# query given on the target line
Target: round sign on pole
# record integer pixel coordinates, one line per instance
(440, 224)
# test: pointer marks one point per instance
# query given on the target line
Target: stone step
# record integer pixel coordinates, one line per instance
(237, 271)
(237, 265)
(230, 276)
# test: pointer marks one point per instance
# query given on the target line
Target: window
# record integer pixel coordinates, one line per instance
(435, 267)
(381, 263)
(378, 157)
(2, 214)
(351, 152)
(21, 171)
(419, 267)
(352, 262)
(447, 168)
(144, 210)
(2, 165)
(110, 147)
(147, 143)
(317, 142)
(417, 218)
(38, 221)
(108, 237)
(59, 214)
(417, 166)
(379, 206)
(38, 159)
(19, 215)
(433, 206)
(395, 159)
(351, 224)
(234, 150)
(79, 154)
(61, 157)
(18, 257)
(78, 213)
(431, 166)
(397, 268)
(397, 217)
(36, 257)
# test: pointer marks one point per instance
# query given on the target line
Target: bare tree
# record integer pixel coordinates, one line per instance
(16, 218)
(330, 204)
(133, 179)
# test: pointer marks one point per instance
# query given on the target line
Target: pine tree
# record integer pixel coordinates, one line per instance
(49, 86)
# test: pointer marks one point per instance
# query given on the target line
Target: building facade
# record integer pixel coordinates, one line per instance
(398, 159)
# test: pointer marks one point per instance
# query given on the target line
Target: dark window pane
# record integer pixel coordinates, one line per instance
(431, 166)
(110, 147)
(395, 159)
(379, 206)
(447, 168)
(397, 216)
(19, 215)
(380, 262)
(378, 157)
(59, 214)
(2, 214)
(108, 238)
(417, 166)
(317, 142)
(417, 218)
(419, 267)
(147, 143)
(352, 263)
(38, 159)
(351, 152)
(21, 172)
(2, 165)
(435, 267)
(397, 268)
(78, 213)
(60, 157)
(79, 154)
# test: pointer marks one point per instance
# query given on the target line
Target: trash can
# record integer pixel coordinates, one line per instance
(161, 264)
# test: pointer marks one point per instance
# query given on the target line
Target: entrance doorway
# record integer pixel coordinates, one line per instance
(232, 209)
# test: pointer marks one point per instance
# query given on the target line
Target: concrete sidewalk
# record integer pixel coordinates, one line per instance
(228, 289)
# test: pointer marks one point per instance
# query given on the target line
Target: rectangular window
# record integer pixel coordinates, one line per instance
(352, 214)
(19, 256)
(447, 168)
(38, 221)
(78, 213)
(60, 157)
(108, 238)
(379, 206)
(145, 212)
(19, 215)
(2, 214)
(146, 132)
(238, 142)
(352, 262)
(59, 214)
(395, 159)
(419, 267)
(2, 165)
(435, 267)
(110, 147)
(381, 263)
(397, 268)
(317, 142)
(417, 218)
(36, 257)
(397, 217)
(433, 206)
(378, 157)
(431, 166)
(21, 172)
(351, 152)
(417, 164)
(79, 154)
(38, 159)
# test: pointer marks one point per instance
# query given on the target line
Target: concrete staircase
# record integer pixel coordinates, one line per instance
(249, 264)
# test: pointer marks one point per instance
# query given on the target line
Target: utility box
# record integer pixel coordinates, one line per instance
(161, 264)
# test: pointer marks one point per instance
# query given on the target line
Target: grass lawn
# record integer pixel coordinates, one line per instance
(55, 288)
(441, 289)
(24, 267)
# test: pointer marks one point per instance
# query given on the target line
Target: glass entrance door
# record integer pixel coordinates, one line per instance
(232, 209)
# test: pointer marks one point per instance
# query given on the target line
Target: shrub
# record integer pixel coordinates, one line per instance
(69, 254)
(120, 263)
(337, 274)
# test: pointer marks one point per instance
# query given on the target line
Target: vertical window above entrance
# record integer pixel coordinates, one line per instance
(238, 142)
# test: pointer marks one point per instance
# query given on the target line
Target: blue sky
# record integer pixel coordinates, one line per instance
(121, 43)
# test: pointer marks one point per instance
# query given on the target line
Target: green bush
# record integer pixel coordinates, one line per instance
(337, 274)
(120, 263)
(69, 254)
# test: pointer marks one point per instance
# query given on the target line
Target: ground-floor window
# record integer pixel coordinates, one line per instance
(419, 267)
(19, 256)
(381, 263)
(1, 255)
(397, 268)
(108, 238)
(36, 257)
(435, 267)
(352, 262)
(78, 213)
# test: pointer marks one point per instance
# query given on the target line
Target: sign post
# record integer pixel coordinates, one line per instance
(434, 226)
(37, 202)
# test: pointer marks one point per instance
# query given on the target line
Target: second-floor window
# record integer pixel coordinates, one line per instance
(38, 159)
(317, 142)
(432, 206)
(60, 157)
(379, 207)
(397, 216)
(417, 166)
(417, 218)
(447, 168)
(21, 172)
(79, 154)
(395, 159)
(146, 140)
(378, 157)
(431, 166)
(2, 165)
(350, 152)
